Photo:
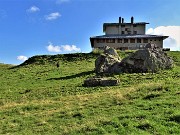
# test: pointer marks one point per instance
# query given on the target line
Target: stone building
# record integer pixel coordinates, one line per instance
(126, 36)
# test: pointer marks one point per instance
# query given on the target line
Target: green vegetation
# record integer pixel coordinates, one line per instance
(97, 51)
(36, 97)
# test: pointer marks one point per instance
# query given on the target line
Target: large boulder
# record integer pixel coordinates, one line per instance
(106, 62)
(111, 51)
(150, 59)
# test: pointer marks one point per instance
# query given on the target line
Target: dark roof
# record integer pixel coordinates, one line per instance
(129, 36)
(117, 24)
(117, 36)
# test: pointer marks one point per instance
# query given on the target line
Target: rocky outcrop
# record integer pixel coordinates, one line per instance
(150, 59)
(96, 81)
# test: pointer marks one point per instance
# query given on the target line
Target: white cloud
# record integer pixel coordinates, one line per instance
(52, 48)
(65, 48)
(173, 32)
(33, 9)
(61, 1)
(53, 16)
(22, 58)
(70, 48)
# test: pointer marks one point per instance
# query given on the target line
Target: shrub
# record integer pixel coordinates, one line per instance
(97, 51)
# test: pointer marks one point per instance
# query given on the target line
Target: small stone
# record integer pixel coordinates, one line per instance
(95, 81)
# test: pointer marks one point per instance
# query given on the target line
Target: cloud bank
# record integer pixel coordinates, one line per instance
(70, 48)
(52, 48)
(22, 58)
(33, 9)
(62, 48)
(53, 16)
(173, 32)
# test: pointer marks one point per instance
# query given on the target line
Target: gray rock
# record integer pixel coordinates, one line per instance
(96, 81)
(106, 62)
(110, 51)
(150, 59)
(151, 45)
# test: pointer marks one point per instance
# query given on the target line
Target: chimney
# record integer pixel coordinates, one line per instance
(132, 19)
(122, 20)
(119, 20)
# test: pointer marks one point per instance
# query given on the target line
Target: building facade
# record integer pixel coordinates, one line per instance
(126, 36)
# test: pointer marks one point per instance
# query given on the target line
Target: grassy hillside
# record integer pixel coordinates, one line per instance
(36, 97)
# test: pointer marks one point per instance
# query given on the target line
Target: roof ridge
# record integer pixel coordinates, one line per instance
(128, 36)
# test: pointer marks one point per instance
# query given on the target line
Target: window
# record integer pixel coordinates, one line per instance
(145, 40)
(119, 40)
(125, 40)
(100, 40)
(132, 40)
(135, 32)
(127, 29)
(138, 40)
(111, 40)
(122, 32)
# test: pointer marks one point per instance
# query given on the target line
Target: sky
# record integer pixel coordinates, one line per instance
(48, 27)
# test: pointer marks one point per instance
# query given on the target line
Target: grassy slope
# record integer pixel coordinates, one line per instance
(41, 99)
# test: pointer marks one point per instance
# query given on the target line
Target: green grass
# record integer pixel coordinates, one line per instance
(38, 98)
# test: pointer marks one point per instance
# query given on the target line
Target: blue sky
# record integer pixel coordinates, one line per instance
(35, 27)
